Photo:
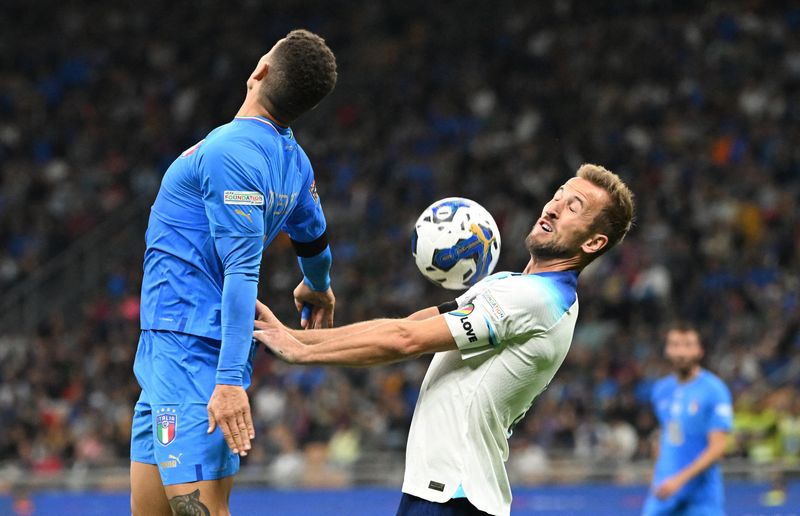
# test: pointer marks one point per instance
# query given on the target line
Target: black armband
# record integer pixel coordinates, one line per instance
(313, 248)
(447, 307)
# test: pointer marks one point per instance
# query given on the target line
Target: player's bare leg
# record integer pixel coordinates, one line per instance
(147, 493)
(204, 498)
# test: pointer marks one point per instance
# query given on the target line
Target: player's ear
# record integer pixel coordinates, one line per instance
(262, 68)
(594, 243)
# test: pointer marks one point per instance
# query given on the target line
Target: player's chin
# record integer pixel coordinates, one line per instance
(536, 239)
(683, 365)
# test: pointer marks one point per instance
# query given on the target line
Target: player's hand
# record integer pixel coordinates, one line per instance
(277, 339)
(322, 306)
(668, 487)
(264, 314)
(229, 409)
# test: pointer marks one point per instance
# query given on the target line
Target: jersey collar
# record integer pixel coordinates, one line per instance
(283, 131)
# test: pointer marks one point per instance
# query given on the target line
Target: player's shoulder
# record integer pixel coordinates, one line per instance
(528, 291)
(228, 146)
(713, 382)
(305, 163)
(554, 288)
(664, 386)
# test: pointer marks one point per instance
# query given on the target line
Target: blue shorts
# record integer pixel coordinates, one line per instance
(177, 374)
(680, 507)
(411, 505)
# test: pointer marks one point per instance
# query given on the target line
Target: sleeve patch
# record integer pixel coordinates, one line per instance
(243, 198)
(313, 191)
(495, 310)
(723, 410)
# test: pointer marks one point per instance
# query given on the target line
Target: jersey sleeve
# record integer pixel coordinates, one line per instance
(490, 316)
(720, 409)
(307, 220)
(232, 188)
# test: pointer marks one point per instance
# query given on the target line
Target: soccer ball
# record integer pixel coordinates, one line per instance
(455, 243)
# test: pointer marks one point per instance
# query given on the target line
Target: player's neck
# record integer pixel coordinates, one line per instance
(536, 265)
(251, 107)
(689, 376)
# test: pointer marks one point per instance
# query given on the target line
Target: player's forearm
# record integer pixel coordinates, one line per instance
(240, 258)
(425, 313)
(312, 337)
(710, 455)
(385, 341)
(238, 298)
(316, 267)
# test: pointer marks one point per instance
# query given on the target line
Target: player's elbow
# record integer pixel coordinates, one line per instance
(406, 342)
(718, 445)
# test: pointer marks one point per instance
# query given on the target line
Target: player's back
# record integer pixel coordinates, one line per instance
(242, 180)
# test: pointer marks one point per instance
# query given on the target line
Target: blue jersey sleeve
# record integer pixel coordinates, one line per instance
(720, 408)
(307, 221)
(231, 178)
(316, 270)
(241, 258)
(232, 187)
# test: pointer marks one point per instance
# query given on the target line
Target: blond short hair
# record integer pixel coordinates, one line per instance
(616, 217)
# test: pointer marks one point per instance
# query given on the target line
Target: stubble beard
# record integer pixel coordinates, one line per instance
(547, 250)
(685, 369)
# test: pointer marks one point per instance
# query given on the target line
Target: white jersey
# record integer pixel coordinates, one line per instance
(513, 332)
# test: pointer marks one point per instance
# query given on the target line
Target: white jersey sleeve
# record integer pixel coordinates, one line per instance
(493, 313)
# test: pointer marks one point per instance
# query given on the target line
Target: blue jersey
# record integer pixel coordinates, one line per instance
(243, 183)
(686, 414)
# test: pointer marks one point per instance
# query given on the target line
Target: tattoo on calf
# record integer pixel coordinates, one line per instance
(188, 505)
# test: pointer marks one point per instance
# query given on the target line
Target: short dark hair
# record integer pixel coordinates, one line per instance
(302, 72)
(616, 217)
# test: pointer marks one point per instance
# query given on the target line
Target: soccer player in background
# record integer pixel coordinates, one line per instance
(694, 412)
(220, 204)
(497, 348)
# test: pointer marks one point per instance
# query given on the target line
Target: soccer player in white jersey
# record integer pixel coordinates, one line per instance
(497, 347)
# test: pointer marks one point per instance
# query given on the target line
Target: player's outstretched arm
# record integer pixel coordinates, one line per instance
(311, 337)
(388, 341)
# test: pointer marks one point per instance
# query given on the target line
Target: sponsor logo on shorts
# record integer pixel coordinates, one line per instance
(243, 198)
(498, 314)
(173, 462)
(166, 425)
(313, 191)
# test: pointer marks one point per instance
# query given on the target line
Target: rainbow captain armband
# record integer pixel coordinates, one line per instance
(472, 330)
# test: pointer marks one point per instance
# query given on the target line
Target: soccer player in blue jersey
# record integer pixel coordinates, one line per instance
(497, 347)
(694, 412)
(220, 204)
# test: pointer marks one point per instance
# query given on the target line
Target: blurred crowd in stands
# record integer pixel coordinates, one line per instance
(695, 104)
